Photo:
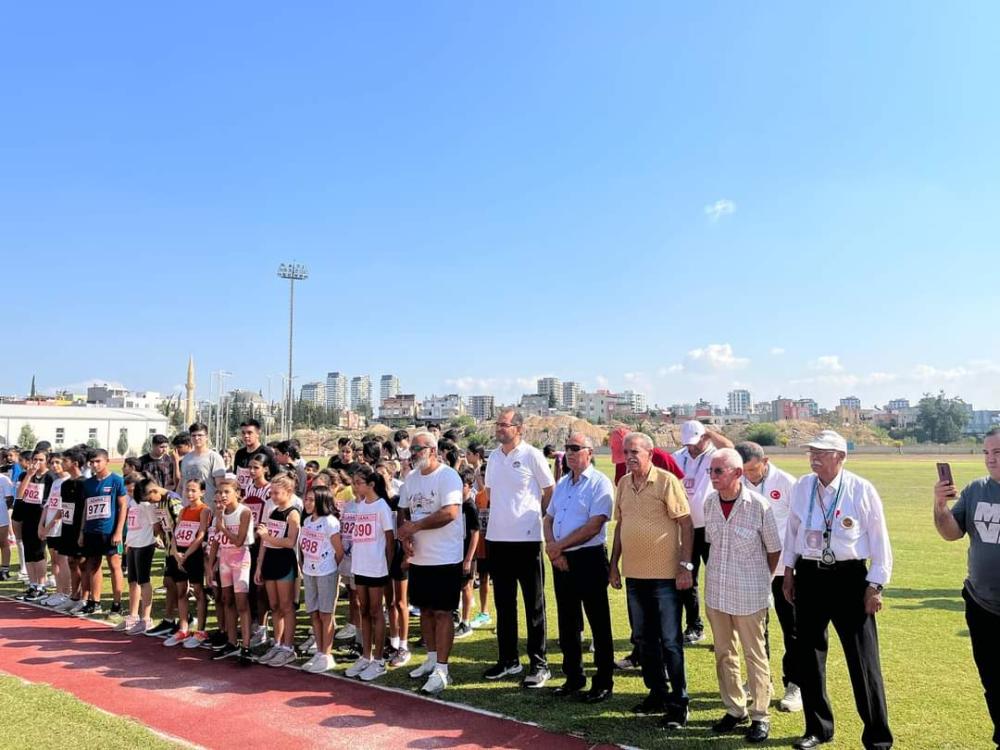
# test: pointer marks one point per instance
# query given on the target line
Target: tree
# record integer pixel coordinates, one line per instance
(93, 443)
(147, 444)
(122, 446)
(763, 434)
(940, 419)
(27, 439)
(463, 421)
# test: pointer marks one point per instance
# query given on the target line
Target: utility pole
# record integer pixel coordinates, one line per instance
(293, 272)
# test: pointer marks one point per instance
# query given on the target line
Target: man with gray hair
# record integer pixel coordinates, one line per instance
(744, 550)
(575, 524)
(518, 488)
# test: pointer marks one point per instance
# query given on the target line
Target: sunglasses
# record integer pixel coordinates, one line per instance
(717, 471)
(575, 448)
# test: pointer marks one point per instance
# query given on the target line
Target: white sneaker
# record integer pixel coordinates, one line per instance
(374, 670)
(423, 670)
(284, 656)
(357, 667)
(176, 639)
(436, 683)
(346, 632)
(77, 606)
(259, 636)
(307, 667)
(50, 581)
(66, 606)
(124, 624)
(138, 628)
(324, 663)
(792, 700)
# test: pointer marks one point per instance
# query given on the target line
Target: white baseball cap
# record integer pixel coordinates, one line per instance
(691, 432)
(828, 440)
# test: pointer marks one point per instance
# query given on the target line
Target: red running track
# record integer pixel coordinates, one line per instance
(224, 705)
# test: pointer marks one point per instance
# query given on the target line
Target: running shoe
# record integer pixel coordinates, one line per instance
(357, 667)
(230, 649)
(321, 663)
(124, 624)
(464, 630)
(401, 658)
(51, 600)
(346, 632)
(162, 630)
(308, 646)
(423, 670)
(138, 627)
(196, 639)
(271, 653)
(90, 609)
(792, 700)
(499, 670)
(176, 639)
(259, 636)
(414, 611)
(626, 662)
(217, 640)
(307, 667)
(374, 670)
(536, 678)
(246, 658)
(50, 581)
(4, 575)
(285, 656)
(436, 683)
(77, 607)
(693, 636)
(67, 605)
(23, 596)
(482, 620)
(36, 596)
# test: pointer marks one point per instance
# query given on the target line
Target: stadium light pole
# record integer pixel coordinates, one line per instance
(293, 272)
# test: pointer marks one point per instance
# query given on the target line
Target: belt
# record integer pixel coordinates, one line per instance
(839, 565)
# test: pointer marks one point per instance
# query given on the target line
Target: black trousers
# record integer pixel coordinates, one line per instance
(585, 587)
(837, 595)
(689, 597)
(786, 619)
(514, 564)
(984, 627)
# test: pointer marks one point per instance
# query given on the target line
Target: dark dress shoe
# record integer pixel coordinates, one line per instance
(596, 695)
(568, 688)
(729, 722)
(758, 731)
(650, 705)
(808, 742)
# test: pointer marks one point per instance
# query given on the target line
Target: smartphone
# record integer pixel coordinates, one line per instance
(944, 473)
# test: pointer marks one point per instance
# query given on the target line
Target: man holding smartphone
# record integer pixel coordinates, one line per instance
(977, 513)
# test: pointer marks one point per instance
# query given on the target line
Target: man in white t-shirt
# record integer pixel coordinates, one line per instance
(695, 458)
(430, 525)
(519, 486)
(775, 486)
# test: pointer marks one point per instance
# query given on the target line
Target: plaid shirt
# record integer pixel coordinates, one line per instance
(737, 576)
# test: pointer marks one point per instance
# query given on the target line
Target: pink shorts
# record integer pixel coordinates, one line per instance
(234, 568)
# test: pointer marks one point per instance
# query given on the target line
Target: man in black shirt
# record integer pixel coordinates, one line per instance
(159, 463)
(250, 432)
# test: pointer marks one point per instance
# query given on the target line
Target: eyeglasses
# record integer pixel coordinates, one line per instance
(506, 425)
(718, 471)
(418, 448)
(575, 448)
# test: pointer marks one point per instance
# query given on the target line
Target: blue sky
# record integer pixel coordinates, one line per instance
(797, 199)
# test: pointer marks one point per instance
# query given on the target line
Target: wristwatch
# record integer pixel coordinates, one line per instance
(689, 567)
(877, 586)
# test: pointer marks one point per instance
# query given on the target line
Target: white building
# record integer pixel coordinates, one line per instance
(739, 401)
(570, 395)
(313, 393)
(597, 407)
(438, 408)
(361, 392)
(635, 400)
(552, 388)
(388, 387)
(534, 404)
(482, 407)
(102, 393)
(336, 390)
(898, 404)
(64, 426)
(851, 402)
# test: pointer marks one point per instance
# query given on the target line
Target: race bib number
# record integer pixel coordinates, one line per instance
(214, 536)
(276, 529)
(98, 508)
(67, 512)
(364, 528)
(134, 521)
(33, 493)
(484, 520)
(689, 485)
(243, 477)
(163, 517)
(313, 544)
(257, 508)
(224, 540)
(55, 500)
(185, 532)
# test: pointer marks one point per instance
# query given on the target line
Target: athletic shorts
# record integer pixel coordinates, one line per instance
(321, 592)
(279, 565)
(396, 571)
(17, 511)
(5, 513)
(34, 548)
(483, 565)
(194, 567)
(140, 563)
(98, 545)
(370, 582)
(234, 569)
(54, 543)
(69, 542)
(436, 587)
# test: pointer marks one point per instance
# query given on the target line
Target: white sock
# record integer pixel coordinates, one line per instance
(394, 642)
(432, 657)
(443, 668)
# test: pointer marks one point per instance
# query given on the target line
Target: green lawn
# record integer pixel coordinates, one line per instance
(935, 699)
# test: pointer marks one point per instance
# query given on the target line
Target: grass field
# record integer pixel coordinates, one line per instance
(935, 698)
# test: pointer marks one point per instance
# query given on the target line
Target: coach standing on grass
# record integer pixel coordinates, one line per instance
(518, 486)
(836, 523)
(977, 513)
(575, 532)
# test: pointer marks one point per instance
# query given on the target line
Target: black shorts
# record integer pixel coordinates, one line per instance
(396, 571)
(436, 588)
(483, 566)
(17, 511)
(194, 567)
(372, 583)
(278, 565)
(34, 548)
(69, 543)
(54, 543)
(98, 545)
(140, 563)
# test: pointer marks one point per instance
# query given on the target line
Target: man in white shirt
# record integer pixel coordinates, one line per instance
(836, 524)
(430, 507)
(519, 485)
(694, 458)
(775, 486)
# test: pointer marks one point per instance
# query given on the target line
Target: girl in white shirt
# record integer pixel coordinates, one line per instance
(322, 551)
(140, 545)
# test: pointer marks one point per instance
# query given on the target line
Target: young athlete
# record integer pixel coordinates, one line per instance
(186, 564)
(168, 512)
(28, 513)
(257, 497)
(322, 550)
(50, 530)
(483, 619)
(6, 503)
(140, 546)
(234, 537)
(103, 530)
(73, 502)
(397, 601)
(470, 518)
(372, 543)
(276, 568)
(351, 630)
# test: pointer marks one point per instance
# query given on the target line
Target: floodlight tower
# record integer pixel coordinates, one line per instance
(293, 272)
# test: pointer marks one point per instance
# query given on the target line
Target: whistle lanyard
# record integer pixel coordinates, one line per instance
(697, 467)
(827, 514)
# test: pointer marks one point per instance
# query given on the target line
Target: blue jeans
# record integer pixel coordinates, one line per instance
(655, 608)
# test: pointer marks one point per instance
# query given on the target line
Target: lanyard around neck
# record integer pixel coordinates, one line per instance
(828, 514)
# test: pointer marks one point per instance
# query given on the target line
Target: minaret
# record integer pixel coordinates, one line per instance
(189, 413)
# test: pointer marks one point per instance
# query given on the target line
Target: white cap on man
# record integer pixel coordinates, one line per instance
(691, 432)
(828, 440)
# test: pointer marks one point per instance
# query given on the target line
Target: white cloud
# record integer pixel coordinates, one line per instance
(827, 363)
(602, 382)
(717, 357)
(669, 370)
(777, 351)
(722, 207)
